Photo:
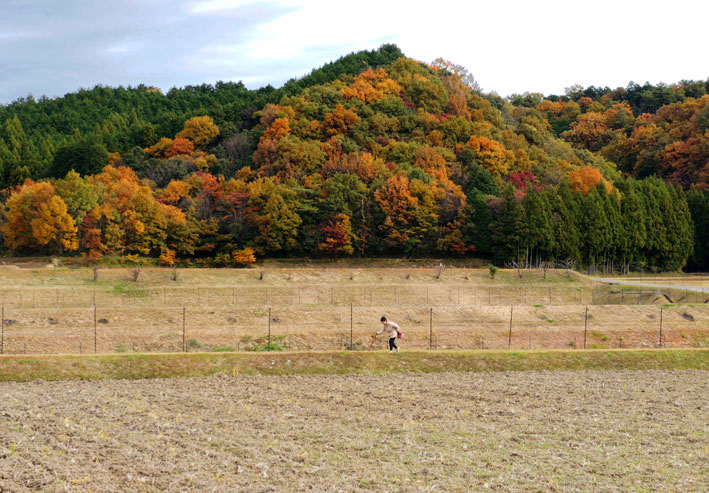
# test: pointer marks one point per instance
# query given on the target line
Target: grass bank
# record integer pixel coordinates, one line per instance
(161, 365)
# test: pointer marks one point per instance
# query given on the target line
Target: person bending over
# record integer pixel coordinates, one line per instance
(393, 330)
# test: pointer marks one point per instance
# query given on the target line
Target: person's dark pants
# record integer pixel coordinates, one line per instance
(392, 344)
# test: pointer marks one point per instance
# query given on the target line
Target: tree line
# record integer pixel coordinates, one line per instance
(374, 154)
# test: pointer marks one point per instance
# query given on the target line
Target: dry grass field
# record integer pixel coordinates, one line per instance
(50, 309)
(501, 431)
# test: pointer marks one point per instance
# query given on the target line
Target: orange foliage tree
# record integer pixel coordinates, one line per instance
(585, 179)
(491, 155)
(339, 121)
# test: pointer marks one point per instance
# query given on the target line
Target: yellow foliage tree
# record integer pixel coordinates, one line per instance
(245, 256)
(200, 130)
(37, 217)
(492, 155)
(167, 257)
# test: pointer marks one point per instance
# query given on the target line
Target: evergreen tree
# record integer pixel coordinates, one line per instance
(539, 239)
(595, 227)
(477, 231)
(567, 242)
(680, 230)
(698, 203)
(633, 233)
(509, 229)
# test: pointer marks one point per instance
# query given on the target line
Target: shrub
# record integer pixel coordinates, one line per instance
(244, 257)
(167, 257)
(493, 271)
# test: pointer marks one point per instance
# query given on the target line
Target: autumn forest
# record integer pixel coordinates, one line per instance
(374, 154)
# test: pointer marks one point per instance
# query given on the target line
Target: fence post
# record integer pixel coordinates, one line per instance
(2, 332)
(509, 338)
(269, 329)
(430, 329)
(95, 332)
(661, 311)
(184, 347)
(585, 327)
(350, 326)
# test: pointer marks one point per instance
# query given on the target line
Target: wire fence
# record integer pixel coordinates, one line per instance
(129, 295)
(104, 329)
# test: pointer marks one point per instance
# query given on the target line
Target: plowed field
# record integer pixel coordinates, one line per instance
(510, 431)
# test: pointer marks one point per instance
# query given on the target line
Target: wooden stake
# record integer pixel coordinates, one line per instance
(2, 332)
(661, 311)
(269, 329)
(585, 327)
(184, 347)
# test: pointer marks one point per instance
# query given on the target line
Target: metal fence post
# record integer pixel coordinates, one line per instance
(184, 347)
(269, 329)
(509, 338)
(2, 332)
(350, 326)
(430, 329)
(585, 327)
(661, 311)
(95, 332)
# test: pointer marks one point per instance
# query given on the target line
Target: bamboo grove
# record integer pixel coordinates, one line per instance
(374, 154)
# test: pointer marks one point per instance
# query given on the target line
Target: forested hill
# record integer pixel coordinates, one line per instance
(373, 154)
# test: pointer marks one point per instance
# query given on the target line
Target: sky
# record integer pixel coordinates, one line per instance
(50, 47)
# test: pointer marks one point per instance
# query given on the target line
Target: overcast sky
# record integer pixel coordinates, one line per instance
(51, 47)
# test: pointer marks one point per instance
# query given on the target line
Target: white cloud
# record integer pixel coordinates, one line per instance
(509, 46)
(213, 6)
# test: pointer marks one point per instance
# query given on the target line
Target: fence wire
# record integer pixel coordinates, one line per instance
(239, 327)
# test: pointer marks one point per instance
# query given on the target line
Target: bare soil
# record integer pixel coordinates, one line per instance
(510, 431)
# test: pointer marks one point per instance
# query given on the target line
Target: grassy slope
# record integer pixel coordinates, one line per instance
(134, 366)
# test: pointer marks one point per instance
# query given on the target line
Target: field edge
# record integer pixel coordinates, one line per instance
(174, 365)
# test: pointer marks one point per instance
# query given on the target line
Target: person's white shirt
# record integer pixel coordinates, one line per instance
(391, 327)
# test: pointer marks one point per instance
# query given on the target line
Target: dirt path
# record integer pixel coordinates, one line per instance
(530, 431)
(682, 287)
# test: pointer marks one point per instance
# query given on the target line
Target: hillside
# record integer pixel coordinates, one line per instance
(374, 154)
